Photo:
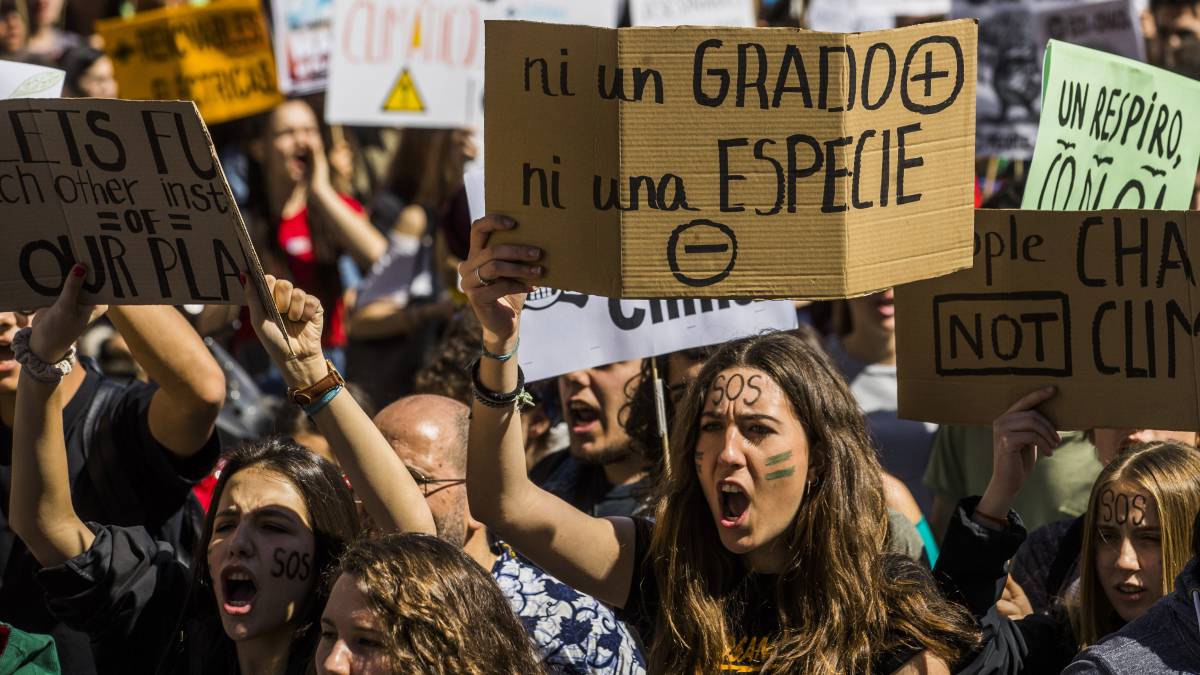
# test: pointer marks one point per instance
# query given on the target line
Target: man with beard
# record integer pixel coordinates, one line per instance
(572, 632)
(601, 473)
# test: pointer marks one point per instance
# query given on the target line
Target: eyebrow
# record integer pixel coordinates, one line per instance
(746, 416)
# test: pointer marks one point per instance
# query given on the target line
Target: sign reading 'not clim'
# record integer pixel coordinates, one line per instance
(733, 162)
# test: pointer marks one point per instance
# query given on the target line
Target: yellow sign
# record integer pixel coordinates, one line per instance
(219, 56)
(404, 96)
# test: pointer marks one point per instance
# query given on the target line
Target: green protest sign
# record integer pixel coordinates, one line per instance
(1112, 134)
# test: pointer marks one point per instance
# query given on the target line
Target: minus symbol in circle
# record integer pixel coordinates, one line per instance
(705, 248)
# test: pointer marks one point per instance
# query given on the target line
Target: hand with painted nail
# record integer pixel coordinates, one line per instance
(1018, 437)
(496, 279)
(303, 318)
(58, 326)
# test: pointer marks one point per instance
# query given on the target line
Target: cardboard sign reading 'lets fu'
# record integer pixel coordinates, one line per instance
(132, 190)
(1101, 304)
(727, 162)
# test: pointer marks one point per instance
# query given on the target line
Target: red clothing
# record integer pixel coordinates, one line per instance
(295, 240)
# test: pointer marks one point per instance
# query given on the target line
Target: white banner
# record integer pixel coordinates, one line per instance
(692, 13)
(303, 33)
(563, 331)
(26, 80)
(416, 63)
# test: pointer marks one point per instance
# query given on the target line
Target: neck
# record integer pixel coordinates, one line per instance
(874, 347)
(771, 558)
(286, 198)
(68, 388)
(625, 471)
(477, 547)
(265, 654)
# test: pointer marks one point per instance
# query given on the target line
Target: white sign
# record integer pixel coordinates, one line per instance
(563, 331)
(858, 16)
(692, 13)
(1012, 42)
(303, 33)
(416, 63)
(25, 80)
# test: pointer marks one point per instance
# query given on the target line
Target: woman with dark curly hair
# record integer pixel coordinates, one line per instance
(410, 603)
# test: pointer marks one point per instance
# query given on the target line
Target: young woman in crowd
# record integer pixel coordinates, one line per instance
(766, 553)
(410, 603)
(1136, 540)
(280, 517)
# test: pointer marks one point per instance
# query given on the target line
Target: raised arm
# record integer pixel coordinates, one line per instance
(353, 231)
(40, 509)
(1018, 436)
(191, 386)
(594, 555)
(387, 489)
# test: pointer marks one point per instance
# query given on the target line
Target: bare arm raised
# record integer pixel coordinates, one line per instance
(387, 489)
(595, 555)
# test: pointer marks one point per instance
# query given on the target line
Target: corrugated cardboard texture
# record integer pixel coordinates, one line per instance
(528, 127)
(761, 167)
(1112, 328)
(132, 189)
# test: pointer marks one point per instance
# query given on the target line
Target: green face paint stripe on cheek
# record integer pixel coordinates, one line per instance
(782, 473)
(781, 457)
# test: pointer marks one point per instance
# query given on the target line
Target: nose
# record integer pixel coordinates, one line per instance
(241, 544)
(338, 660)
(1127, 559)
(731, 454)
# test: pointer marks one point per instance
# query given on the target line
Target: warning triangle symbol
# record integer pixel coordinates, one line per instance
(404, 96)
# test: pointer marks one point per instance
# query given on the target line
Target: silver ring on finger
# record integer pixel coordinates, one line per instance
(480, 279)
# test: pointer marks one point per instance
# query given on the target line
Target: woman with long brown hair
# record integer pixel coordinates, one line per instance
(412, 603)
(767, 551)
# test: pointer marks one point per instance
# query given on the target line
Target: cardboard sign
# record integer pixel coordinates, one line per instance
(1115, 133)
(219, 56)
(303, 36)
(1101, 304)
(563, 331)
(131, 189)
(26, 80)
(730, 162)
(1012, 40)
(692, 13)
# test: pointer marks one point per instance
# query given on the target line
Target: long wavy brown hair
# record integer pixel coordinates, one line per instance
(842, 600)
(442, 614)
(1169, 472)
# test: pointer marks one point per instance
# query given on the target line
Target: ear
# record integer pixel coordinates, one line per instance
(473, 525)
(539, 424)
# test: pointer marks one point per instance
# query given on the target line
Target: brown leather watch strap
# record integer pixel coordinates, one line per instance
(308, 395)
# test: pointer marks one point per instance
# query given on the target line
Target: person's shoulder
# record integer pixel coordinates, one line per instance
(1138, 647)
(551, 465)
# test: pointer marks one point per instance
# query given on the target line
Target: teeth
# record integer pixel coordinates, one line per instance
(239, 576)
(730, 488)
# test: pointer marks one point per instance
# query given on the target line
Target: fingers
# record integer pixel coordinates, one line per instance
(281, 293)
(484, 227)
(72, 285)
(482, 295)
(1032, 399)
(497, 269)
(1031, 421)
(295, 307)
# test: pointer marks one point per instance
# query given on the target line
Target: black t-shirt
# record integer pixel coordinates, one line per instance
(756, 625)
(120, 475)
(585, 486)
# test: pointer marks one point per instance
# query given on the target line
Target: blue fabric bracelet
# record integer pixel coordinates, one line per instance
(324, 401)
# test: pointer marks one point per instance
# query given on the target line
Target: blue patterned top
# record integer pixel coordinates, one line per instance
(573, 633)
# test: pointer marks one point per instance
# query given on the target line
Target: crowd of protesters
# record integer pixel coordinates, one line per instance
(372, 487)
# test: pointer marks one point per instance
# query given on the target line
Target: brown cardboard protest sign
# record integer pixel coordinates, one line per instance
(652, 162)
(131, 189)
(1101, 304)
(219, 56)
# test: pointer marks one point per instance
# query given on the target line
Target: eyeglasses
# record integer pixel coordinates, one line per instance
(425, 481)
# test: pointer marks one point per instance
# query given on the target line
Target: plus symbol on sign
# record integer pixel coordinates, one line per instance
(930, 74)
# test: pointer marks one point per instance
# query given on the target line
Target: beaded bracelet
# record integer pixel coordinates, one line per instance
(493, 399)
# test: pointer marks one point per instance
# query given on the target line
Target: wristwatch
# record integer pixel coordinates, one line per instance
(306, 396)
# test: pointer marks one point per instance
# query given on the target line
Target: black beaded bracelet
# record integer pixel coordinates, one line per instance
(494, 399)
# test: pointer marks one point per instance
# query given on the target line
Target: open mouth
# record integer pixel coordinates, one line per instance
(583, 416)
(1131, 592)
(7, 360)
(734, 504)
(239, 591)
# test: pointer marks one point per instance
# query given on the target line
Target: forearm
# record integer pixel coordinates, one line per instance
(354, 232)
(384, 319)
(173, 355)
(40, 508)
(388, 491)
